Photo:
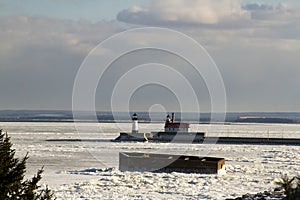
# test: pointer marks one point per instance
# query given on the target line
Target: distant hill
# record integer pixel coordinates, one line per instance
(265, 120)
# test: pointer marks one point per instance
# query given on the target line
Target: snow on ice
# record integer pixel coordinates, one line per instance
(73, 171)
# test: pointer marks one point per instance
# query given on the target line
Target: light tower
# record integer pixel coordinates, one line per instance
(168, 119)
(135, 128)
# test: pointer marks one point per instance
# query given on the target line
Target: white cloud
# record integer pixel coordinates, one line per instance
(79, 36)
(276, 12)
(274, 20)
(192, 12)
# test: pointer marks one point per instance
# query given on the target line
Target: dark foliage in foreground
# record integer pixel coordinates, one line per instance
(12, 172)
(291, 187)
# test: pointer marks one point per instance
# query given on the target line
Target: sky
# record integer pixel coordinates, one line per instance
(254, 43)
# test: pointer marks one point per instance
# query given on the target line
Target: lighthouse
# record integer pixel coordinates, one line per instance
(135, 128)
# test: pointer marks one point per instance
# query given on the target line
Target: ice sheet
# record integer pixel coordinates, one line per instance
(72, 171)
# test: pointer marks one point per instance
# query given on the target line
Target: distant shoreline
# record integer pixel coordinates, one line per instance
(145, 117)
(145, 122)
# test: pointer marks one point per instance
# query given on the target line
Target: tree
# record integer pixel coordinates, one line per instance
(12, 172)
(297, 190)
(291, 187)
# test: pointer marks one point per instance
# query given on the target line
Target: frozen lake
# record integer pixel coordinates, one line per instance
(75, 170)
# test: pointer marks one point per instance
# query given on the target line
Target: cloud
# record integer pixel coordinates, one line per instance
(271, 12)
(180, 12)
(260, 74)
(75, 35)
(221, 14)
(256, 6)
(39, 58)
(278, 21)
